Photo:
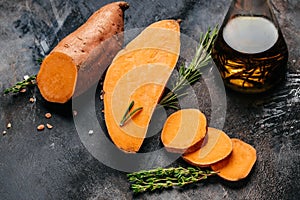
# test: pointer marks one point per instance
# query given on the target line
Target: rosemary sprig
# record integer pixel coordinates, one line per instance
(30, 81)
(127, 115)
(161, 178)
(190, 74)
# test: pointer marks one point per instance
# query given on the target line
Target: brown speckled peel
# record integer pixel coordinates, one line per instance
(75, 63)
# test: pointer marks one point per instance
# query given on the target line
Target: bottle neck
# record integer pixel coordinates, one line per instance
(250, 4)
(252, 7)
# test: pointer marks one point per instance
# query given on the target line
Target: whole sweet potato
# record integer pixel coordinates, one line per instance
(75, 63)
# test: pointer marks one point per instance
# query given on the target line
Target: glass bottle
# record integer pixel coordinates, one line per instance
(250, 51)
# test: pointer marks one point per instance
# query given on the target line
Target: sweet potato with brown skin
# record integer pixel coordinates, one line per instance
(216, 146)
(184, 131)
(238, 164)
(78, 60)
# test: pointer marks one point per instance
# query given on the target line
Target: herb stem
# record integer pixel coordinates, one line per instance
(30, 81)
(127, 115)
(190, 74)
(166, 177)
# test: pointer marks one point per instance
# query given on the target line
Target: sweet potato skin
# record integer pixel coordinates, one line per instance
(101, 25)
(91, 48)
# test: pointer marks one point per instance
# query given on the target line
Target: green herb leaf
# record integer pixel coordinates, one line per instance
(127, 115)
(191, 74)
(30, 81)
(165, 178)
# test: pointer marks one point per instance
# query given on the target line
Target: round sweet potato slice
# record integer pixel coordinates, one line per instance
(238, 164)
(184, 131)
(216, 146)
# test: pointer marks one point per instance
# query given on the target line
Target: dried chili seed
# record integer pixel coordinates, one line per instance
(49, 126)
(32, 100)
(23, 90)
(48, 115)
(41, 127)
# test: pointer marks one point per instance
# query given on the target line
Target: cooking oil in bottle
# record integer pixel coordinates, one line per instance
(250, 51)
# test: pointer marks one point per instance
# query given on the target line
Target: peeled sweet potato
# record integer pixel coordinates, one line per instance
(78, 60)
(216, 146)
(139, 73)
(184, 131)
(238, 164)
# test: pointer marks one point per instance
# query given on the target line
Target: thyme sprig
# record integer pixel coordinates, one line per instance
(127, 115)
(29, 81)
(160, 178)
(190, 74)
(19, 86)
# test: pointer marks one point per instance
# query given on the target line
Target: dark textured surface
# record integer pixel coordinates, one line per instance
(54, 164)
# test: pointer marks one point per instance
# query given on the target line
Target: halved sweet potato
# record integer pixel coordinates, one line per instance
(79, 59)
(184, 131)
(238, 164)
(139, 73)
(216, 146)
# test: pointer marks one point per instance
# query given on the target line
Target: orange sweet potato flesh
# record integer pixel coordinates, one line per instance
(216, 146)
(238, 164)
(184, 131)
(78, 61)
(139, 73)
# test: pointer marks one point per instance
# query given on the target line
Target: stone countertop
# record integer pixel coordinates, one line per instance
(54, 164)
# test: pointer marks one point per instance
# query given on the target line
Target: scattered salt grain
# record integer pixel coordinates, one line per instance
(91, 132)
(8, 125)
(52, 146)
(74, 112)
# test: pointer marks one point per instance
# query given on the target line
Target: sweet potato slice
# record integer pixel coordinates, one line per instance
(216, 146)
(184, 131)
(238, 164)
(81, 57)
(139, 73)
